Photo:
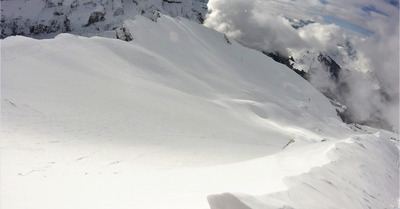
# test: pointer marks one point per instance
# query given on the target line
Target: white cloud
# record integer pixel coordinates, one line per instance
(322, 36)
(263, 25)
(253, 26)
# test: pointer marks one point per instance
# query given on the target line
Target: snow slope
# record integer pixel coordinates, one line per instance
(172, 117)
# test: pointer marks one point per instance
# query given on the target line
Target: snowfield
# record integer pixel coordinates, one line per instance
(180, 117)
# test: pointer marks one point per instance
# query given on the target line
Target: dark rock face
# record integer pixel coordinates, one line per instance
(40, 28)
(155, 16)
(288, 61)
(327, 63)
(28, 28)
(95, 17)
(333, 67)
(279, 58)
(227, 39)
(57, 13)
(198, 15)
(173, 1)
(300, 23)
(67, 24)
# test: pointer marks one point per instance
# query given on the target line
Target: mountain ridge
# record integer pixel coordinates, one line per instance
(47, 18)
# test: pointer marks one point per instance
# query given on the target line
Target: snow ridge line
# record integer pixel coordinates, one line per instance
(344, 176)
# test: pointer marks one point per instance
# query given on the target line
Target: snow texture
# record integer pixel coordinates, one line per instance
(172, 119)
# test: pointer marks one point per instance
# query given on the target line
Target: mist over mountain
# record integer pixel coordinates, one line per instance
(360, 37)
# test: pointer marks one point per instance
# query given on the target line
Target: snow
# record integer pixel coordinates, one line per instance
(172, 117)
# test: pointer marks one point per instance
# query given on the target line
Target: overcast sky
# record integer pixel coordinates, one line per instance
(372, 26)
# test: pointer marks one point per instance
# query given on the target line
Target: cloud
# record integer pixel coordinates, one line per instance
(370, 27)
(253, 26)
(382, 52)
(322, 36)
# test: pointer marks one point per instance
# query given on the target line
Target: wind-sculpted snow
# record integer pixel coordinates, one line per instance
(169, 118)
(351, 180)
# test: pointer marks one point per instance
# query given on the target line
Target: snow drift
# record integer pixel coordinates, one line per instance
(179, 113)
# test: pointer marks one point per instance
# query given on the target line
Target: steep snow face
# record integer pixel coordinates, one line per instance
(47, 18)
(178, 113)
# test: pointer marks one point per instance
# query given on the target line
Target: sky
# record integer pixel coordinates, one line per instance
(370, 26)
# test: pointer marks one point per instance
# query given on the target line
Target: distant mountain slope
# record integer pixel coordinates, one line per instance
(335, 73)
(43, 17)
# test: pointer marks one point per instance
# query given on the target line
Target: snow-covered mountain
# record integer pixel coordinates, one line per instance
(177, 116)
(45, 18)
(315, 39)
(328, 70)
(332, 72)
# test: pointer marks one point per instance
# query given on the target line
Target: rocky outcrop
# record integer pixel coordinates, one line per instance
(288, 61)
(155, 16)
(228, 41)
(173, 1)
(95, 17)
(123, 33)
(296, 24)
(19, 26)
(331, 66)
(320, 60)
